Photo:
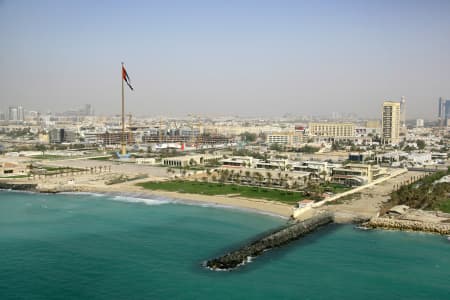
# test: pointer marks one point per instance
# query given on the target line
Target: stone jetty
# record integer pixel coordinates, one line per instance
(408, 225)
(281, 237)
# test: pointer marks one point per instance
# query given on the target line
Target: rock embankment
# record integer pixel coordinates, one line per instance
(18, 186)
(408, 225)
(281, 237)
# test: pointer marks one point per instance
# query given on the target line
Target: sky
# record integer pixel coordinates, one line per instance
(231, 57)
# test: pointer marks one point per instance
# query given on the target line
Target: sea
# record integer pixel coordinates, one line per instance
(89, 246)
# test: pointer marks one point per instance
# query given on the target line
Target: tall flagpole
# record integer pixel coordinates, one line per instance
(124, 147)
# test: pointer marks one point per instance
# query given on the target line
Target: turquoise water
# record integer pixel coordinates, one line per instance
(90, 247)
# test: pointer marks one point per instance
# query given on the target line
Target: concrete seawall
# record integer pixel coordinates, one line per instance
(408, 225)
(281, 237)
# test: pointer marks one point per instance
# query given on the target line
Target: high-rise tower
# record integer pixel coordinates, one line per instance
(390, 123)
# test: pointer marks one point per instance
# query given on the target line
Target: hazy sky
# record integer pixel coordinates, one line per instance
(226, 57)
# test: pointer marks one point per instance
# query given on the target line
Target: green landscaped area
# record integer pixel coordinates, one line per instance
(444, 206)
(426, 193)
(209, 188)
(108, 157)
(51, 157)
(335, 188)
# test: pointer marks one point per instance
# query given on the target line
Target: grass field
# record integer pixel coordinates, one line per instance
(445, 206)
(108, 157)
(48, 156)
(205, 188)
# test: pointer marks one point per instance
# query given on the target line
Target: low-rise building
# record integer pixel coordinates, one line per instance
(285, 138)
(238, 161)
(316, 167)
(12, 169)
(357, 174)
(190, 160)
(332, 131)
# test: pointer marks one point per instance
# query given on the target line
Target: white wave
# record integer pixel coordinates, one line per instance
(132, 199)
(84, 193)
(224, 206)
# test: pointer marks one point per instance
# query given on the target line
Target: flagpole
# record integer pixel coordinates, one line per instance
(124, 148)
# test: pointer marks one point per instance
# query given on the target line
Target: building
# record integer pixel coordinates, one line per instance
(61, 135)
(238, 161)
(12, 169)
(390, 123)
(190, 160)
(318, 168)
(20, 114)
(357, 174)
(332, 131)
(443, 112)
(419, 123)
(285, 137)
(12, 114)
(115, 138)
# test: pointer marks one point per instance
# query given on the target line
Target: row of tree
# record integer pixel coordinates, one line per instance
(423, 193)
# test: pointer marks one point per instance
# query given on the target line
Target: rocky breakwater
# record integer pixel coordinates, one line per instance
(276, 239)
(18, 186)
(408, 225)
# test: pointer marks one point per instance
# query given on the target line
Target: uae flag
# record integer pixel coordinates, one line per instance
(126, 78)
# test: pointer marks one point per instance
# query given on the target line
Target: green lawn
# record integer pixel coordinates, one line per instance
(48, 156)
(335, 188)
(205, 188)
(101, 158)
(444, 206)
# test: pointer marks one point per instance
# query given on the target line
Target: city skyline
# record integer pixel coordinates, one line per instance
(247, 59)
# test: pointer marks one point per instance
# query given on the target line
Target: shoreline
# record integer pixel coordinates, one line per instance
(260, 206)
(266, 207)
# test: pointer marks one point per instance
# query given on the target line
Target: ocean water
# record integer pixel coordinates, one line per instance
(110, 247)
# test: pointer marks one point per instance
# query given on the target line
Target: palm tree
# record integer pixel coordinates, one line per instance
(238, 178)
(247, 175)
(269, 178)
(231, 176)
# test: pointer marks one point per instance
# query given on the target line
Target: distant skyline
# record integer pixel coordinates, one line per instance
(248, 58)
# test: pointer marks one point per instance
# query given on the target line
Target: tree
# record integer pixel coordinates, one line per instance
(420, 144)
(42, 148)
(248, 136)
(276, 147)
(335, 146)
(269, 178)
(192, 162)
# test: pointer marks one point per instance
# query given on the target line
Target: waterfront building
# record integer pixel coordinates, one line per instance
(8, 168)
(316, 167)
(238, 161)
(332, 131)
(190, 160)
(390, 123)
(357, 174)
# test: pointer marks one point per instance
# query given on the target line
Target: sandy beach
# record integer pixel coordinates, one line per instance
(257, 205)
